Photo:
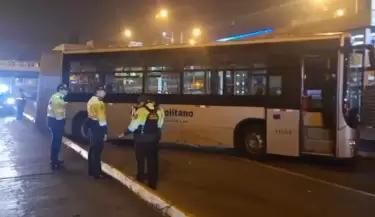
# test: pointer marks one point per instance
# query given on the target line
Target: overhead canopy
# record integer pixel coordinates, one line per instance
(19, 74)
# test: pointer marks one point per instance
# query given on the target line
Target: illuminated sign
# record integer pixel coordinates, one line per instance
(18, 65)
(135, 44)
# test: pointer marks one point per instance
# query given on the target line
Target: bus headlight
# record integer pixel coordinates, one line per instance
(4, 88)
(353, 146)
(10, 101)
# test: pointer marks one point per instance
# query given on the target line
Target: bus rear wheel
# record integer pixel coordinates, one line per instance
(80, 129)
(251, 140)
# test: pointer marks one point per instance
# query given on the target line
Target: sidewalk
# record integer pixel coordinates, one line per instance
(28, 187)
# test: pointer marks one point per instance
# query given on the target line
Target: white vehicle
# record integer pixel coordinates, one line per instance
(286, 96)
(20, 75)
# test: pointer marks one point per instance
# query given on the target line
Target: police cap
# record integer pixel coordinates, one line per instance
(100, 87)
(144, 98)
(62, 87)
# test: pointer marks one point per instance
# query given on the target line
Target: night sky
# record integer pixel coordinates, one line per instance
(29, 27)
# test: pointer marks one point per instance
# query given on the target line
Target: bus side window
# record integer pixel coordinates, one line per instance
(319, 83)
(217, 83)
(162, 83)
(275, 85)
(197, 82)
(258, 83)
(84, 82)
(229, 83)
(125, 82)
(244, 82)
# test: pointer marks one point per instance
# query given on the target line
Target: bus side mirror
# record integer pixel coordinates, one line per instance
(370, 57)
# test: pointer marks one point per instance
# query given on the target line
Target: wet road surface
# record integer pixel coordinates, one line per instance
(29, 188)
(215, 184)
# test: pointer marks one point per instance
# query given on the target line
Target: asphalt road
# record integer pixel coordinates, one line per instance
(29, 188)
(217, 184)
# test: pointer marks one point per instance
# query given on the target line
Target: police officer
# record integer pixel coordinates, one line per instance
(162, 114)
(56, 122)
(98, 131)
(21, 103)
(146, 126)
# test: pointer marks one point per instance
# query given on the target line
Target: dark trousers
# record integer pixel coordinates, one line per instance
(20, 109)
(147, 154)
(96, 149)
(57, 129)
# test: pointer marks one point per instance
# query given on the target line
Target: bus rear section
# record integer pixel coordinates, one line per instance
(282, 96)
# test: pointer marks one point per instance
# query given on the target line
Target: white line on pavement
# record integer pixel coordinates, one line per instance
(365, 193)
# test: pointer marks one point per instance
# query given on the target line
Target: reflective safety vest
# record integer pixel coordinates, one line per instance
(147, 119)
(162, 116)
(56, 106)
(151, 123)
(133, 112)
(21, 97)
(96, 110)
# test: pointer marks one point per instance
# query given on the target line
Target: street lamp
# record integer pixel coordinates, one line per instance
(192, 42)
(340, 13)
(197, 32)
(162, 14)
(128, 33)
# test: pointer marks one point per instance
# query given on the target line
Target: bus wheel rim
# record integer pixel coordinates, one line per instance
(254, 142)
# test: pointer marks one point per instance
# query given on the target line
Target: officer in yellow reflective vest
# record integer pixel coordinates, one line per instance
(56, 122)
(98, 131)
(146, 125)
(162, 115)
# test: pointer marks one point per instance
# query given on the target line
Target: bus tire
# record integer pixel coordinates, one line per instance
(79, 128)
(251, 139)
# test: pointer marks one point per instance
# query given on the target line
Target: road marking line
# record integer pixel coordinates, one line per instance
(31, 118)
(365, 193)
(166, 207)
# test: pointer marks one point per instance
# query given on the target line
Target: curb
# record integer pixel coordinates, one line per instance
(148, 195)
(368, 155)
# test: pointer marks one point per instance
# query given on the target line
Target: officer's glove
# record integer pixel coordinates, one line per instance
(105, 138)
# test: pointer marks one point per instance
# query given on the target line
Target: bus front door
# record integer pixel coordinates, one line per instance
(318, 106)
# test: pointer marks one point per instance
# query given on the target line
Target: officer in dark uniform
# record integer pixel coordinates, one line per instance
(21, 103)
(146, 125)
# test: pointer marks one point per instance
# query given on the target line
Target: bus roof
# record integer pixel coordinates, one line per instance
(257, 40)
